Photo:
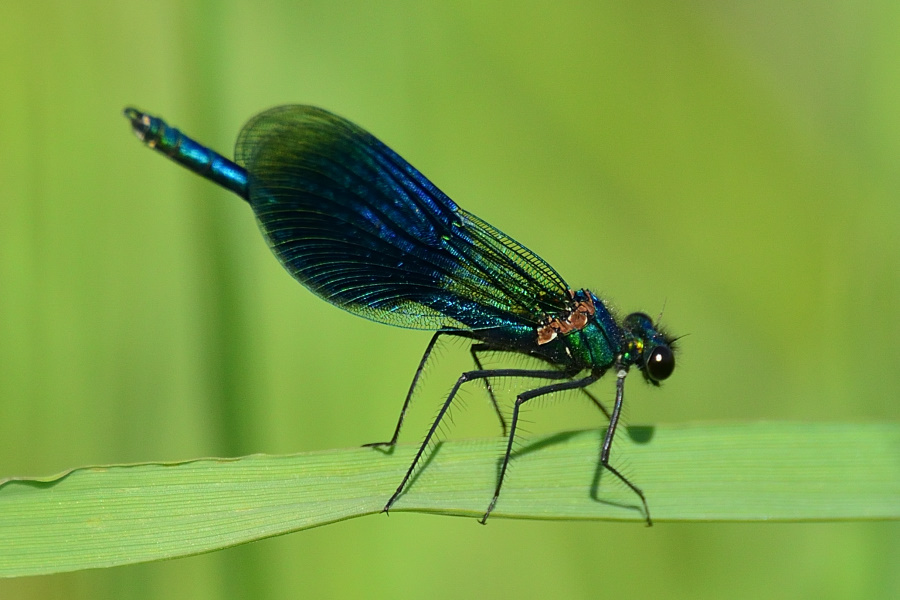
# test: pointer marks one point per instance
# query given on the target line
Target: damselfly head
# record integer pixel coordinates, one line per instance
(649, 347)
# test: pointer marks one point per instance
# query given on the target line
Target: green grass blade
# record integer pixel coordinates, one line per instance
(103, 516)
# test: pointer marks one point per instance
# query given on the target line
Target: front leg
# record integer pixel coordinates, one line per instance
(621, 372)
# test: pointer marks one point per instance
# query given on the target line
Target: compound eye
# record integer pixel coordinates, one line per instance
(660, 363)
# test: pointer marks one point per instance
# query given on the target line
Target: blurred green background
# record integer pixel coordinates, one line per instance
(735, 162)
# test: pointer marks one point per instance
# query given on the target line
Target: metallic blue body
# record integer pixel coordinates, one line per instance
(208, 163)
(363, 229)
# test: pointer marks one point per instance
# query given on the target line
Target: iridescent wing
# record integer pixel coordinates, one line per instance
(359, 226)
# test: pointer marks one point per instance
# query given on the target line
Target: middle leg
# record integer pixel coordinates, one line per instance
(475, 349)
(465, 377)
(522, 399)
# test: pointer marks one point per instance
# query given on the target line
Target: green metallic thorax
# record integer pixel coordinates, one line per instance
(592, 347)
(596, 346)
(603, 342)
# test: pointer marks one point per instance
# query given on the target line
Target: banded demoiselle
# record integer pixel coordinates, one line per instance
(361, 228)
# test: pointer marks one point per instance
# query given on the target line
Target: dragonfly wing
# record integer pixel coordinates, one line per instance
(363, 229)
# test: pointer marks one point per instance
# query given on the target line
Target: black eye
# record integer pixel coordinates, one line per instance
(660, 363)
